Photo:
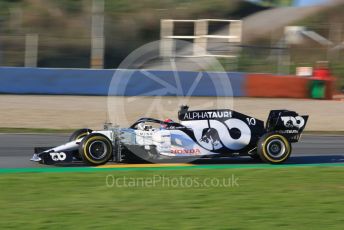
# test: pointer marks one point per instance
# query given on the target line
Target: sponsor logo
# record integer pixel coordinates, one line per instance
(58, 156)
(186, 151)
(291, 122)
(144, 133)
(211, 136)
(289, 131)
(207, 115)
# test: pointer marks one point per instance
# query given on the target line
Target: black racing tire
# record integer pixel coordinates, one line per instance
(274, 148)
(77, 134)
(96, 149)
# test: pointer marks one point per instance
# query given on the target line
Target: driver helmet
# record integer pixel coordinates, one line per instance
(168, 120)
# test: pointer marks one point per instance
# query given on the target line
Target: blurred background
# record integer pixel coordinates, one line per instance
(276, 36)
(59, 57)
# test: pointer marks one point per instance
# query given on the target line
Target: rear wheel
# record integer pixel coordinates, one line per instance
(274, 148)
(95, 149)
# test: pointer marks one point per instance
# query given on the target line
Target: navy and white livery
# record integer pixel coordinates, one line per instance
(199, 133)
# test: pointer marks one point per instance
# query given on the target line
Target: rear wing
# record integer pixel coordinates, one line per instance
(286, 122)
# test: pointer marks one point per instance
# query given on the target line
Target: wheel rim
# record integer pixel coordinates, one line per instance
(276, 148)
(98, 150)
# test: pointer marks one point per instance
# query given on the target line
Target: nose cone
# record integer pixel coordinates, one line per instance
(35, 158)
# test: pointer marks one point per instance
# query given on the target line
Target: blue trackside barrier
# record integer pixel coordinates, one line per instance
(165, 83)
(54, 81)
(119, 82)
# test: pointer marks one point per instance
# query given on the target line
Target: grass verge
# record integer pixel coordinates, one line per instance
(284, 198)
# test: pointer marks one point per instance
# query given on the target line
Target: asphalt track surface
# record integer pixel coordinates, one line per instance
(17, 149)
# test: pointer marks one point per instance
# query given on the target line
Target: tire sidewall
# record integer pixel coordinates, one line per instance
(84, 149)
(263, 151)
(80, 133)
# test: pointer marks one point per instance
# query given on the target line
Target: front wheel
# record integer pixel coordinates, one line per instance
(78, 134)
(274, 148)
(95, 149)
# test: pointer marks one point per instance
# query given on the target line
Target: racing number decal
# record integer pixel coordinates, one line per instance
(213, 141)
(58, 156)
(251, 121)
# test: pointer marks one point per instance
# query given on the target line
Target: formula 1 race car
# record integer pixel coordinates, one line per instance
(200, 134)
